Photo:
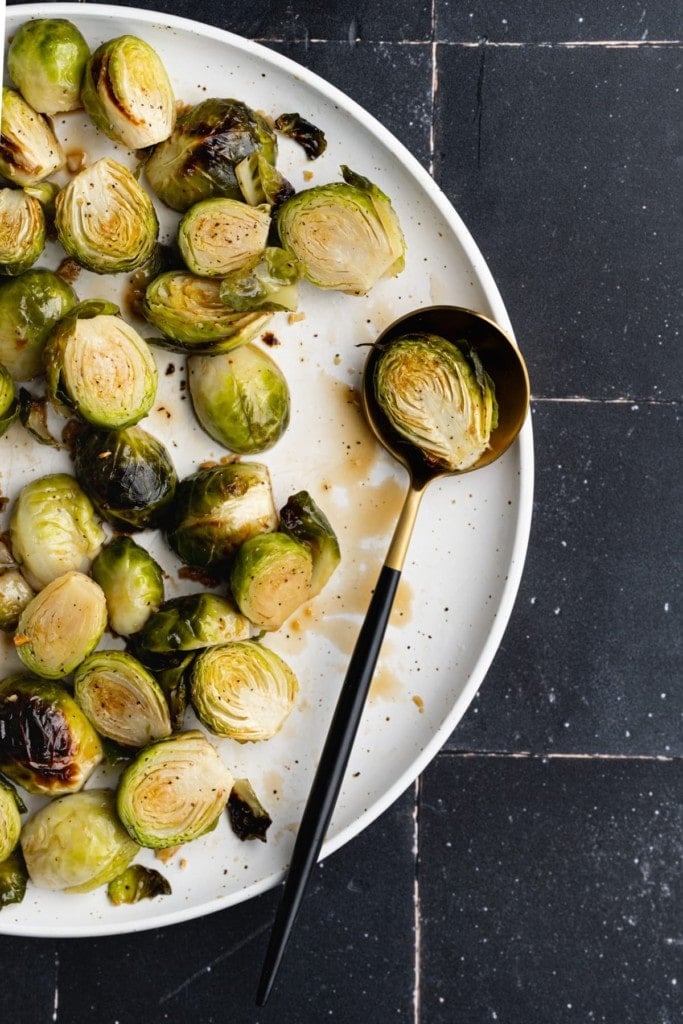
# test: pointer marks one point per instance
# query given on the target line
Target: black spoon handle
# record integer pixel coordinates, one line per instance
(330, 773)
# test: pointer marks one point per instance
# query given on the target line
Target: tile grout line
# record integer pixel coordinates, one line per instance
(417, 915)
(531, 755)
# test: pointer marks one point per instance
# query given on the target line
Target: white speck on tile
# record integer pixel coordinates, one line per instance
(557, 610)
(667, 606)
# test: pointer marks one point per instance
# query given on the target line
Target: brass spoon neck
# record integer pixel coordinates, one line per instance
(398, 548)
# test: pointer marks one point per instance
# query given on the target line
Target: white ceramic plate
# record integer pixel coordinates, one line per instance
(468, 549)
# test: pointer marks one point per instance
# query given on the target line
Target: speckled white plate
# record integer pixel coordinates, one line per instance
(467, 553)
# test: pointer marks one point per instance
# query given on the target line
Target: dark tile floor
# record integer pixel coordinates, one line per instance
(533, 874)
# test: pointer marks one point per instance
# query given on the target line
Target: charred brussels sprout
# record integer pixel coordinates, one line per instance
(270, 578)
(137, 883)
(53, 529)
(48, 745)
(30, 306)
(187, 623)
(22, 231)
(198, 160)
(61, 625)
(302, 519)
(346, 234)
(191, 315)
(174, 791)
(11, 808)
(248, 817)
(261, 182)
(13, 878)
(311, 139)
(132, 581)
(270, 284)
(9, 404)
(217, 509)
(76, 844)
(242, 690)
(105, 220)
(438, 397)
(122, 700)
(99, 367)
(128, 94)
(29, 149)
(220, 235)
(128, 475)
(241, 398)
(46, 60)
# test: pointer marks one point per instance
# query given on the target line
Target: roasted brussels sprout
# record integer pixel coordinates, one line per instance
(13, 878)
(438, 397)
(30, 306)
(198, 160)
(122, 700)
(29, 149)
(191, 315)
(302, 519)
(11, 808)
(48, 746)
(261, 182)
(9, 404)
(174, 682)
(220, 235)
(185, 624)
(46, 60)
(53, 529)
(311, 139)
(22, 231)
(105, 220)
(61, 625)
(15, 594)
(241, 398)
(248, 817)
(128, 94)
(137, 883)
(270, 578)
(174, 791)
(346, 234)
(77, 843)
(33, 416)
(271, 284)
(242, 690)
(128, 475)
(218, 508)
(132, 581)
(99, 367)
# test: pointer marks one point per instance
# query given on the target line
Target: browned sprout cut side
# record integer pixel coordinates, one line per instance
(29, 148)
(122, 699)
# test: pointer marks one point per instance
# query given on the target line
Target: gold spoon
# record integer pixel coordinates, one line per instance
(502, 361)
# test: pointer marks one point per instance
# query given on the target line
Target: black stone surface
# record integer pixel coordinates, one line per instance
(533, 875)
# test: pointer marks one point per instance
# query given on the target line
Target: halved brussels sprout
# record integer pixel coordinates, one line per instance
(437, 396)
(15, 594)
(346, 234)
(30, 306)
(22, 231)
(10, 819)
(261, 182)
(187, 623)
(174, 791)
(48, 745)
(128, 475)
(220, 235)
(270, 578)
(302, 519)
(29, 149)
(218, 508)
(128, 94)
(9, 404)
(53, 529)
(77, 843)
(132, 581)
(137, 883)
(311, 139)
(61, 625)
(105, 220)
(98, 366)
(248, 817)
(198, 160)
(271, 284)
(46, 60)
(13, 878)
(122, 700)
(242, 690)
(190, 313)
(241, 398)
